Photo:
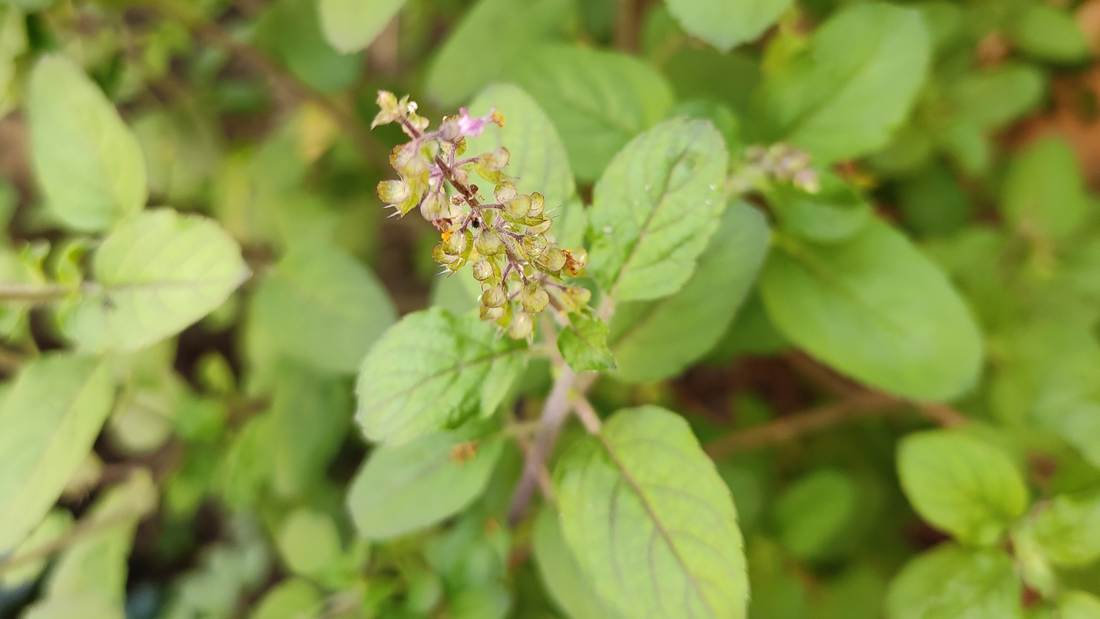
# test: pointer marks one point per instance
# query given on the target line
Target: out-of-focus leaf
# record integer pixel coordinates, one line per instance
(1049, 33)
(1068, 529)
(291, 599)
(655, 209)
(1078, 605)
(323, 307)
(598, 100)
(351, 25)
(88, 162)
(657, 339)
(415, 485)
(308, 542)
(812, 513)
(561, 574)
(961, 485)
(156, 274)
(725, 24)
(431, 371)
(87, 606)
(1043, 193)
(50, 417)
(834, 213)
(13, 42)
(291, 31)
(650, 521)
(950, 581)
(875, 308)
(55, 524)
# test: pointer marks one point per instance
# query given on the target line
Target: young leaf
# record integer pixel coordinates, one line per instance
(156, 274)
(834, 213)
(846, 94)
(650, 521)
(308, 542)
(961, 485)
(351, 25)
(812, 513)
(290, 599)
(598, 100)
(88, 162)
(1078, 605)
(658, 339)
(875, 308)
(655, 209)
(55, 524)
(1068, 529)
(1043, 193)
(726, 24)
(1049, 33)
(583, 344)
(950, 581)
(561, 574)
(538, 155)
(431, 371)
(51, 416)
(323, 307)
(415, 485)
(469, 59)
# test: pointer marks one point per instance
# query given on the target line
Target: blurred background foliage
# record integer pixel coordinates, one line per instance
(219, 481)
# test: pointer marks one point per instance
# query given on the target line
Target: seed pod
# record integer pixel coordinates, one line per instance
(552, 260)
(491, 314)
(494, 296)
(441, 256)
(522, 326)
(448, 129)
(435, 207)
(489, 243)
(505, 192)
(534, 298)
(538, 226)
(455, 243)
(461, 176)
(576, 297)
(393, 192)
(483, 270)
(517, 207)
(494, 160)
(533, 245)
(538, 205)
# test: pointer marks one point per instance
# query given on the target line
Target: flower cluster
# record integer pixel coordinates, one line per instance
(506, 240)
(779, 162)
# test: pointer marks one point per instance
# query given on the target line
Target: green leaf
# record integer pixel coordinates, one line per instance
(323, 307)
(470, 58)
(13, 42)
(351, 25)
(655, 209)
(99, 563)
(953, 582)
(1068, 529)
(51, 417)
(1043, 193)
(415, 485)
(1001, 95)
(658, 339)
(55, 524)
(1067, 395)
(961, 485)
(650, 521)
(874, 308)
(583, 344)
(86, 159)
(291, 31)
(88, 606)
(538, 155)
(854, 85)
(1048, 33)
(812, 513)
(835, 213)
(726, 24)
(291, 599)
(562, 576)
(598, 100)
(156, 274)
(1078, 605)
(430, 371)
(308, 542)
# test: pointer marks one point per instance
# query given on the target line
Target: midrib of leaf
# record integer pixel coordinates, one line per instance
(657, 524)
(844, 83)
(644, 231)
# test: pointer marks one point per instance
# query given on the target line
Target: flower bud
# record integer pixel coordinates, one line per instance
(552, 260)
(435, 207)
(517, 207)
(489, 243)
(448, 129)
(533, 245)
(389, 109)
(504, 192)
(461, 176)
(494, 160)
(494, 296)
(483, 270)
(522, 326)
(538, 204)
(533, 297)
(454, 243)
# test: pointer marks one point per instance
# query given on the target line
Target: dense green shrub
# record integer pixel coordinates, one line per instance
(627, 309)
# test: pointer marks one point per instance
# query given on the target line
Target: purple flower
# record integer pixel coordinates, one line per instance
(473, 127)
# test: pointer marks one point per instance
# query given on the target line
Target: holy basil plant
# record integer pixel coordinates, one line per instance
(549, 309)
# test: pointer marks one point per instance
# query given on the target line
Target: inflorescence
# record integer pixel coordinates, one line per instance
(507, 240)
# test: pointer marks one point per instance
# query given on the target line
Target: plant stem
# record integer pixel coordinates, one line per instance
(81, 531)
(587, 414)
(34, 293)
